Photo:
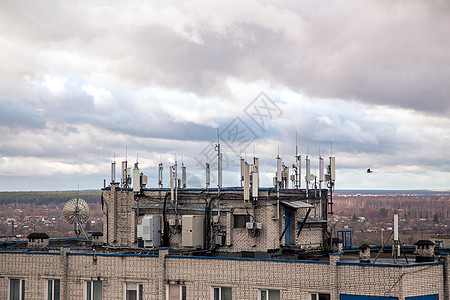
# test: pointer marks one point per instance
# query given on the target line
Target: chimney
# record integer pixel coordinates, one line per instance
(364, 253)
(37, 241)
(424, 251)
(336, 247)
(97, 238)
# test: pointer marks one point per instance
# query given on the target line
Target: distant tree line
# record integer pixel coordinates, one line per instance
(415, 206)
(48, 197)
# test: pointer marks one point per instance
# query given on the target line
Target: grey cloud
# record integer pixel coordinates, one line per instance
(76, 141)
(160, 127)
(161, 56)
(383, 52)
(386, 57)
(37, 105)
(14, 114)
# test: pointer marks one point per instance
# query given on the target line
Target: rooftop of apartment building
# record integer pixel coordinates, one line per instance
(378, 254)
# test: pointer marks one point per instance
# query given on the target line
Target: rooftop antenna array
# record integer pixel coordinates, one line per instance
(219, 162)
(242, 161)
(308, 173)
(174, 183)
(208, 176)
(183, 175)
(321, 175)
(219, 172)
(136, 179)
(250, 175)
(246, 181)
(396, 247)
(139, 182)
(279, 176)
(113, 169)
(330, 177)
(278, 181)
(175, 179)
(126, 172)
(172, 198)
(285, 176)
(160, 174)
(255, 227)
(297, 167)
(255, 178)
(139, 179)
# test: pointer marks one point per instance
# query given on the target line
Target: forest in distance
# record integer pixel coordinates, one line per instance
(91, 196)
(39, 198)
(368, 214)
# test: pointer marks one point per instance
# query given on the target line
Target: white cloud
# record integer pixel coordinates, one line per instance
(33, 166)
(55, 84)
(102, 97)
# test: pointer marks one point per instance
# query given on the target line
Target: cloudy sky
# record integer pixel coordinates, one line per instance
(84, 82)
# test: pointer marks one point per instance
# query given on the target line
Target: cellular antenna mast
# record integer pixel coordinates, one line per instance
(219, 162)
(160, 174)
(297, 166)
(183, 173)
(175, 169)
(308, 172)
(242, 161)
(113, 169)
(331, 170)
(219, 171)
(279, 180)
(396, 247)
(208, 176)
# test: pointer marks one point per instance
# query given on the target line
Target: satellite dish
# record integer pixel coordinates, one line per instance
(76, 212)
(311, 177)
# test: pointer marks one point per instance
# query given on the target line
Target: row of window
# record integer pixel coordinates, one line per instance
(223, 293)
(178, 292)
(135, 291)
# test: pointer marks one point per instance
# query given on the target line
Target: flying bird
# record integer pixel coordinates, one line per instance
(369, 171)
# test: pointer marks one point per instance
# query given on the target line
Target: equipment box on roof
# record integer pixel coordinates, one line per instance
(192, 232)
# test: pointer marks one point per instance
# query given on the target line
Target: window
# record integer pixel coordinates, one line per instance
(221, 293)
(319, 296)
(269, 295)
(176, 292)
(16, 289)
(134, 291)
(94, 290)
(53, 288)
(241, 220)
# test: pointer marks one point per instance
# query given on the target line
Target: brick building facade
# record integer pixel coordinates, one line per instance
(196, 277)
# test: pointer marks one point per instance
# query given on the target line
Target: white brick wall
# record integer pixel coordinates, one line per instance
(245, 276)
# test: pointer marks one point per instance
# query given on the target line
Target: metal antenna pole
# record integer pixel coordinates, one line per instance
(219, 171)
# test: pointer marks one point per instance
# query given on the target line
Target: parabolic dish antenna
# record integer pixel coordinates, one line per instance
(76, 212)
